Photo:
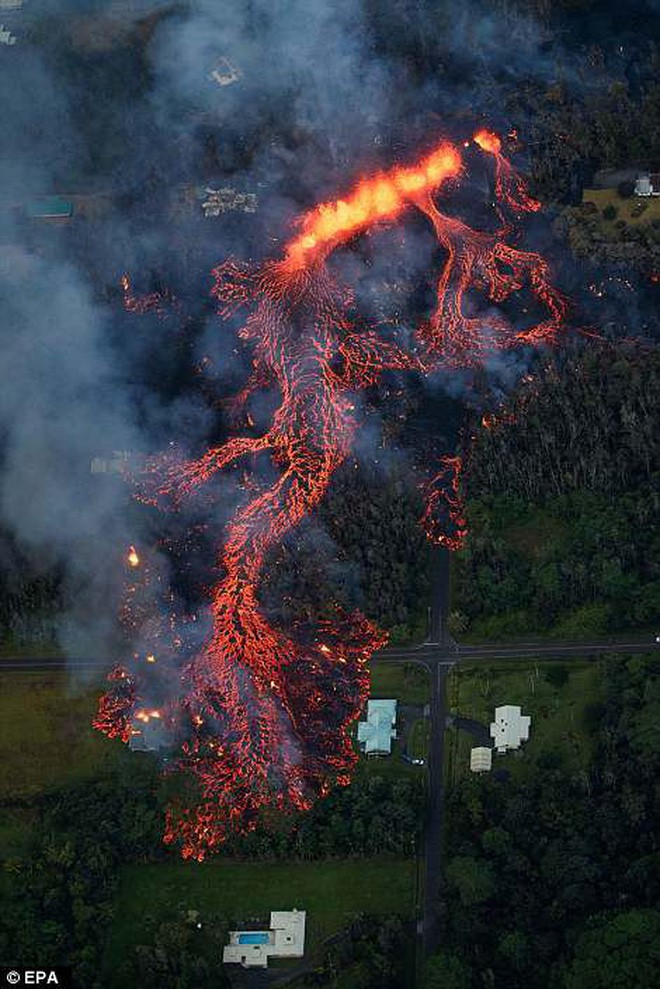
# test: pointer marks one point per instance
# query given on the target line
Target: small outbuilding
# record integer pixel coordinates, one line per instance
(510, 727)
(481, 759)
(648, 184)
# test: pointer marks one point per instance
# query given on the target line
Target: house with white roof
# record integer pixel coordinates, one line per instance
(510, 727)
(481, 759)
(376, 733)
(648, 184)
(284, 939)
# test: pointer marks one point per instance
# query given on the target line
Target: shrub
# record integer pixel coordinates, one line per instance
(626, 189)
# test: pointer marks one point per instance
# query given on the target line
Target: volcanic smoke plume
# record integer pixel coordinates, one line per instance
(264, 719)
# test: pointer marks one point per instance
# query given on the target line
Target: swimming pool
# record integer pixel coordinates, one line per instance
(259, 937)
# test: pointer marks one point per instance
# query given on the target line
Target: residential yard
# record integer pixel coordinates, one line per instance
(244, 894)
(407, 682)
(628, 209)
(557, 710)
(46, 738)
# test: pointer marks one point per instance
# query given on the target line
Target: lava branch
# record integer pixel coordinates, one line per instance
(443, 519)
(266, 719)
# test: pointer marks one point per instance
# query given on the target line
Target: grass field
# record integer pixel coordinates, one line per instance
(245, 893)
(418, 741)
(625, 207)
(405, 681)
(557, 711)
(45, 650)
(46, 738)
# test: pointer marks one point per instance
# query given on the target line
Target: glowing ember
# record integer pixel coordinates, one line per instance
(132, 558)
(266, 719)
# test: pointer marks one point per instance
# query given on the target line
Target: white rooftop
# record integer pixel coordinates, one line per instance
(377, 732)
(284, 939)
(510, 727)
(481, 759)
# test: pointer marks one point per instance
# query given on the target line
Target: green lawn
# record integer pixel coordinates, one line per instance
(557, 712)
(408, 683)
(627, 209)
(418, 740)
(46, 738)
(45, 650)
(245, 893)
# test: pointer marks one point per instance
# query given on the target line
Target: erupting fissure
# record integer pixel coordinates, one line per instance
(264, 715)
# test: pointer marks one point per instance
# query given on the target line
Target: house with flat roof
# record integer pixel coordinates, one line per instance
(284, 939)
(510, 727)
(376, 733)
(50, 208)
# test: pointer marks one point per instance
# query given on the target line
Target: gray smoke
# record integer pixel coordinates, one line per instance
(323, 92)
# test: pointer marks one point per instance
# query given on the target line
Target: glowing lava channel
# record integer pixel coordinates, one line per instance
(265, 720)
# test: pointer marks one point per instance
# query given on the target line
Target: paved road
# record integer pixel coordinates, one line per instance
(432, 655)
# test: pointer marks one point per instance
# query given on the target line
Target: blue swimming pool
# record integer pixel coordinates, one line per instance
(259, 937)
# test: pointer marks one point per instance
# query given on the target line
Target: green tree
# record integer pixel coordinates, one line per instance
(473, 879)
(619, 953)
(446, 971)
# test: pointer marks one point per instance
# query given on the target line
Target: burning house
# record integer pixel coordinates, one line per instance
(146, 732)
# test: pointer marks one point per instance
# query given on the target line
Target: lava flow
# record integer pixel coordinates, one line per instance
(443, 520)
(265, 719)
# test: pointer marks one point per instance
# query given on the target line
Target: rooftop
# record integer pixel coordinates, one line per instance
(377, 732)
(510, 727)
(284, 939)
(47, 207)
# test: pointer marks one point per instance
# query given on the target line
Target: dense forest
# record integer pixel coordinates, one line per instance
(563, 492)
(553, 879)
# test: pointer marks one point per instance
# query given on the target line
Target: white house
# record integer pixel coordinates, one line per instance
(376, 733)
(284, 939)
(510, 727)
(648, 184)
(481, 759)
(6, 37)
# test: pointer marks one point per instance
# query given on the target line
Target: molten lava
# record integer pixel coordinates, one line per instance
(265, 718)
(443, 520)
(510, 189)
